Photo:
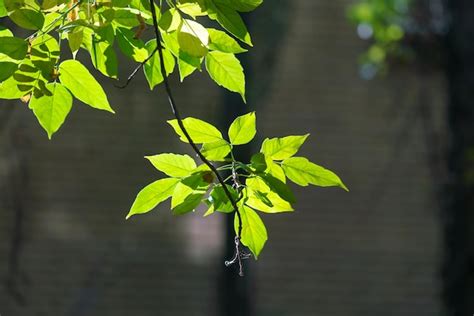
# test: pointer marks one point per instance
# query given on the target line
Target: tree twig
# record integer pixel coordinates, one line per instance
(134, 72)
(238, 254)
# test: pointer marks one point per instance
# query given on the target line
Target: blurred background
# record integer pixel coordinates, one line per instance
(385, 89)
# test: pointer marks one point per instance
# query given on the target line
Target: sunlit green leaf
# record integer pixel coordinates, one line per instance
(216, 151)
(263, 198)
(27, 18)
(275, 170)
(75, 39)
(303, 172)
(230, 20)
(254, 234)
(258, 162)
(3, 10)
(193, 38)
(226, 71)
(243, 129)
(282, 148)
(220, 200)
(4, 32)
(52, 109)
(222, 42)
(74, 76)
(12, 49)
(192, 7)
(199, 130)
(131, 46)
(172, 164)
(152, 195)
(188, 194)
(9, 89)
(126, 17)
(170, 21)
(241, 5)
(152, 67)
(278, 187)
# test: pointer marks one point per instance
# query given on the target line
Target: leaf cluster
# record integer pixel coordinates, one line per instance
(259, 185)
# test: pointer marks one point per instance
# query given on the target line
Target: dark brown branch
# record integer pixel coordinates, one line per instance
(134, 72)
(177, 115)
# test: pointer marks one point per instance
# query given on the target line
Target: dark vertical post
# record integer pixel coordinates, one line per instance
(267, 26)
(458, 269)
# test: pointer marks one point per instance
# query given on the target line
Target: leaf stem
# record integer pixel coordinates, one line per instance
(179, 119)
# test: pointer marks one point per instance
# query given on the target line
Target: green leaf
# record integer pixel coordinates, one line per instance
(173, 165)
(220, 200)
(3, 10)
(258, 162)
(132, 47)
(275, 170)
(74, 76)
(27, 18)
(152, 195)
(216, 151)
(52, 109)
(102, 53)
(261, 197)
(243, 129)
(282, 148)
(126, 17)
(230, 20)
(193, 38)
(303, 172)
(12, 49)
(170, 21)
(242, 5)
(279, 187)
(222, 42)
(188, 194)
(152, 67)
(75, 39)
(4, 32)
(9, 89)
(192, 7)
(6, 70)
(226, 71)
(200, 131)
(254, 234)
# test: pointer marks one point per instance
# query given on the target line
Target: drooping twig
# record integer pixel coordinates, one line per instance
(238, 255)
(134, 72)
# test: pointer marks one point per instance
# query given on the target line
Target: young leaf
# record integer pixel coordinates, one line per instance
(188, 194)
(275, 170)
(76, 77)
(173, 165)
(282, 148)
(220, 200)
(193, 38)
(222, 42)
(254, 234)
(52, 109)
(200, 131)
(229, 19)
(152, 67)
(303, 172)
(226, 71)
(279, 187)
(12, 49)
(152, 195)
(263, 198)
(242, 130)
(27, 18)
(131, 46)
(216, 151)
(242, 5)
(258, 162)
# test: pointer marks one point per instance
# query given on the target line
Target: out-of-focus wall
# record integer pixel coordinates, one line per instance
(373, 250)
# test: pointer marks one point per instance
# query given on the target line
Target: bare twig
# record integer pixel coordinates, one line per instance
(238, 254)
(134, 72)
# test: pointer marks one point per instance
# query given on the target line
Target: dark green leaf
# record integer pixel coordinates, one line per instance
(258, 162)
(12, 49)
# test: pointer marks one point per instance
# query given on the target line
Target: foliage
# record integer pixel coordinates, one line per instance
(40, 71)
(264, 186)
(384, 23)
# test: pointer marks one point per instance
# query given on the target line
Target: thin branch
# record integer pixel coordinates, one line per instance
(177, 115)
(134, 72)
